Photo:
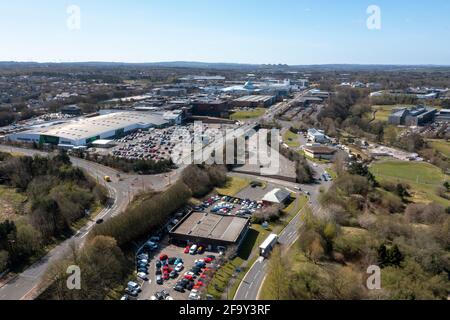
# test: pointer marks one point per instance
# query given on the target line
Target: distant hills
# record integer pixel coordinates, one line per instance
(230, 66)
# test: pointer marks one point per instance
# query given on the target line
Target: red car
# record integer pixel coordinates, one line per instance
(203, 276)
(186, 250)
(163, 257)
(188, 277)
(197, 287)
(208, 260)
(166, 268)
(199, 283)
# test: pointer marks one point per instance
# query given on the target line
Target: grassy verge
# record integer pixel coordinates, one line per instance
(441, 146)
(233, 186)
(422, 177)
(291, 139)
(96, 209)
(250, 114)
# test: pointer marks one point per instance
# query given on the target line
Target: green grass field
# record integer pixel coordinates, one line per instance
(250, 114)
(441, 146)
(233, 186)
(291, 139)
(424, 178)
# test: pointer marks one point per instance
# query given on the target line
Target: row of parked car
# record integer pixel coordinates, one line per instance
(194, 279)
(167, 268)
(161, 295)
(155, 144)
(226, 204)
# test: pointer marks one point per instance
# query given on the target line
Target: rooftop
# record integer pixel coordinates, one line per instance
(91, 127)
(211, 226)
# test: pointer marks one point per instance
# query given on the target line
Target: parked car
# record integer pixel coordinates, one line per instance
(193, 249)
(159, 279)
(132, 293)
(190, 285)
(179, 267)
(163, 257)
(173, 274)
(187, 249)
(133, 286)
(171, 261)
(179, 288)
(200, 250)
(142, 275)
(178, 261)
(194, 295)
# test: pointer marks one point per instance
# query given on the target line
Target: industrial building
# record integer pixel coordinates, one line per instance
(254, 101)
(72, 110)
(210, 108)
(320, 152)
(277, 196)
(84, 131)
(210, 229)
(317, 136)
(414, 116)
(443, 116)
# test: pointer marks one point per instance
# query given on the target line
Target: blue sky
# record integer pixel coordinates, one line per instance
(245, 31)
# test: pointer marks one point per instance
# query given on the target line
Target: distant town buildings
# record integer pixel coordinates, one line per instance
(413, 116)
(443, 115)
(254, 101)
(72, 110)
(317, 136)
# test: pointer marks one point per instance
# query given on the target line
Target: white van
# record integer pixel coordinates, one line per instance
(193, 249)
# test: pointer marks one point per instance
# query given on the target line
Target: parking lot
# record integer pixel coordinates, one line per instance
(161, 144)
(157, 258)
(232, 206)
(151, 287)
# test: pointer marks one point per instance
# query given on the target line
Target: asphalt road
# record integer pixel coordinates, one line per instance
(121, 190)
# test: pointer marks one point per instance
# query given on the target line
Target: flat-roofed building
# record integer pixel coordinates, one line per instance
(255, 101)
(210, 229)
(318, 136)
(320, 152)
(84, 131)
(413, 116)
(443, 116)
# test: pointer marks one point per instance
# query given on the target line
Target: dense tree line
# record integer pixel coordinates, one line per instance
(102, 265)
(304, 172)
(58, 195)
(137, 166)
(201, 179)
(140, 221)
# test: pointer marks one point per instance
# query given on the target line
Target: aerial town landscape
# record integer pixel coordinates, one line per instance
(201, 181)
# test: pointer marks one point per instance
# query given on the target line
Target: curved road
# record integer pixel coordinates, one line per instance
(254, 279)
(121, 190)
